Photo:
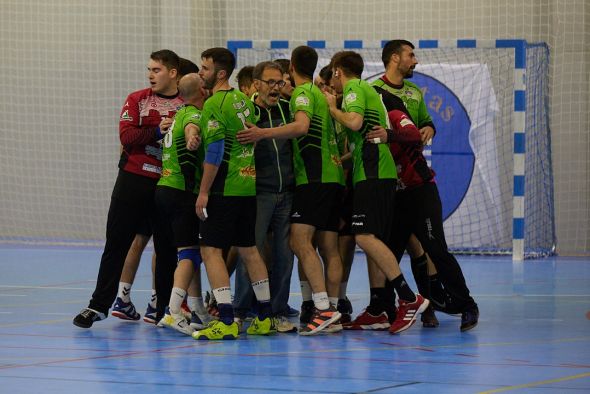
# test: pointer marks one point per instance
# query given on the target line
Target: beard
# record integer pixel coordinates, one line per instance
(210, 82)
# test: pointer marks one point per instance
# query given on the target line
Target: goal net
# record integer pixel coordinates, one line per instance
(470, 94)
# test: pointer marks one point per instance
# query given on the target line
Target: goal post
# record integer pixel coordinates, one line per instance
(497, 198)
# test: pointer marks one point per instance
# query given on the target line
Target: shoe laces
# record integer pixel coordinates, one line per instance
(87, 313)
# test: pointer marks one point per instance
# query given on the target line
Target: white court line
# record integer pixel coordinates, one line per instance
(6, 313)
(13, 295)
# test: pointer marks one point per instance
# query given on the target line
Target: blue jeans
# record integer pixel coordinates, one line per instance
(273, 213)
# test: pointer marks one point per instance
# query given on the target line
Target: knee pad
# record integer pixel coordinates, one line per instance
(193, 255)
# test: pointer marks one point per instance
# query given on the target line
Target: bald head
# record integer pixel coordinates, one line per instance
(190, 86)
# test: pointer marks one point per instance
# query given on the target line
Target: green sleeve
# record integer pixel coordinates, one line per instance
(423, 115)
(354, 99)
(302, 101)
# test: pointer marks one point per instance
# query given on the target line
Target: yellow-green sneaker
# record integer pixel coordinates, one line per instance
(217, 330)
(262, 327)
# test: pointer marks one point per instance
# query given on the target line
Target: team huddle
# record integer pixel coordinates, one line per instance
(286, 166)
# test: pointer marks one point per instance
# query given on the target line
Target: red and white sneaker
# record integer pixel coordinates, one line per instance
(407, 312)
(366, 321)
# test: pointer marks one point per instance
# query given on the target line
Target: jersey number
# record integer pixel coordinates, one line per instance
(168, 136)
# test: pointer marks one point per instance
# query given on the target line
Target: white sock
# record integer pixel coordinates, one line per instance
(305, 290)
(321, 300)
(154, 299)
(196, 305)
(124, 292)
(333, 301)
(262, 290)
(342, 293)
(222, 295)
(176, 298)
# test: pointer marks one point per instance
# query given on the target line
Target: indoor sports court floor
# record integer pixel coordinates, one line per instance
(533, 336)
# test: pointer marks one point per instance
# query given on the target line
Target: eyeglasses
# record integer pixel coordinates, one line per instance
(271, 83)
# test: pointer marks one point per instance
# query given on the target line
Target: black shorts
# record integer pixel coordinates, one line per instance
(231, 221)
(145, 227)
(373, 207)
(177, 209)
(318, 205)
(346, 212)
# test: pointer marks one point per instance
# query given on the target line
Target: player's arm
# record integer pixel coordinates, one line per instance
(213, 158)
(426, 126)
(130, 131)
(351, 120)
(297, 128)
(404, 130)
(192, 136)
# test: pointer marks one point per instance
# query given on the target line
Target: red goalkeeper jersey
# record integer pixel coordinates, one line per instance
(406, 148)
(139, 120)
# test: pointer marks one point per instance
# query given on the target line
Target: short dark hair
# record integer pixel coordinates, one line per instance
(167, 57)
(326, 73)
(185, 66)
(223, 59)
(284, 64)
(260, 67)
(244, 76)
(393, 46)
(304, 60)
(350, 62)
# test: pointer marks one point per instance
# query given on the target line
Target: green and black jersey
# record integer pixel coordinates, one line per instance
(315, 155)
(224, 114)
(181, 168)
(370, 161)
(412, 97)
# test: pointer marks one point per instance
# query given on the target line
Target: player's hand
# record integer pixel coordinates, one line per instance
(330, 98)
(201, 206)
(165, 124)
(426, 134)
(377, 135)
(193, 141)
(250, 135)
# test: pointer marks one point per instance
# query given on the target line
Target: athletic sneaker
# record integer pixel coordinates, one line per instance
(334, 327)
(150, 315)
(283, 324)
(125, 310)
(197, 322)
(291, 312)
(262, 327)
(407, 312)
(211, 305)
(307, 309)
(217, 330)
(345, 309)
(367, 321)
(428, 318)
(176, 322)
(469, 318)
(186, 311)
(320, 320)
(87, 317)
(240, 322)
